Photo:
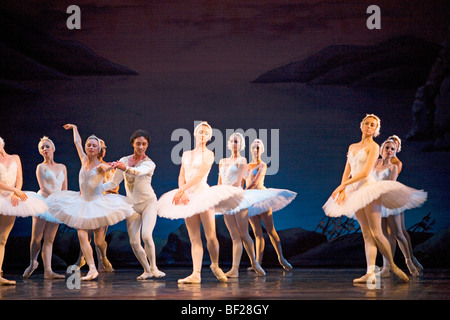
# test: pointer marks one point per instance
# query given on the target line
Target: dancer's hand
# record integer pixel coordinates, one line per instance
(119, 165)
(339, 194)
(180, 198)
(69, 126)
(20, 195)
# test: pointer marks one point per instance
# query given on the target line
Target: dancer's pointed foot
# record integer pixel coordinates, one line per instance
(258, 269)
(107, 265)
(50, 275)
(145, 276)
(233, 272)
(399, 273)
(220, 275)
(412, 268)
(370, 276)
(417, 264)
(28, 271)
(158, 273)
(91, 275)
(5, 282)
(285, 264)
(194, 278)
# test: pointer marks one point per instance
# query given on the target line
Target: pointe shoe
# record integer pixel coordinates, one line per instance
(157, 273)
(220, 275)
(399, 273)
(412, 268)
(29, 271)
(91, 275)
(285, 264)
(233, 273)
(50, 275)
(367, 277)
(5, 282)
(107, 265)
(417, 264)
(194, 278)
(259, 270)
(145, 276)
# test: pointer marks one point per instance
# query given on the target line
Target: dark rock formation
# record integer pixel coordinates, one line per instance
(435, 252)
(402, 62)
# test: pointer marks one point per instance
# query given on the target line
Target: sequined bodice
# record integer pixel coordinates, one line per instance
(54, 181)
(8, 176)
(228, 173)
(91, 183)
(382, 174)
(192, 166)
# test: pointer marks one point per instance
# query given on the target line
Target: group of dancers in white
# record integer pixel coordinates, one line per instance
(368, 192)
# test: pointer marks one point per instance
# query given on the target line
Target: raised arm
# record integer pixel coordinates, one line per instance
(77, 141)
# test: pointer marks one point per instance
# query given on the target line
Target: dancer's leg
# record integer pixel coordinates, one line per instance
(370, 247)
(208, 220)
(47, 249)
(193, 228)
(101, 247)
(83, 236)
(231, 223)
(37, 233)
(134, 233)
(6, 225)
(267, 219)
(149, 216)
(256, 224)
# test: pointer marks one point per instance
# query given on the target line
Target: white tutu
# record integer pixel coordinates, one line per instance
(394, 196)
(46, 215)
(71, 209)
(258, 201)
(221, 198)
(33, 206)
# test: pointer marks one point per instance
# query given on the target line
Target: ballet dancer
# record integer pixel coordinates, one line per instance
(231, 172)
(393, 221)
(89, 209)
(13, 201)
(262, 211)
(196, 201)
(137, 170)
(360, 195)
(102, 231)
(51, 176)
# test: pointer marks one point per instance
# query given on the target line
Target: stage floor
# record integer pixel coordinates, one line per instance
(300, 284)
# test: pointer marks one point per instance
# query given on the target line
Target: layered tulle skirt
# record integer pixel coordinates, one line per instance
(33, 206)
(221, 198)
(394, 196)
(258, 201)
(104, 210)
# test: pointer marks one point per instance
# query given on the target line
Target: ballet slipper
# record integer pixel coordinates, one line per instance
(81, 263)
(233, 272)
(399, 273)
(220, 275)
(28, 271)
(107, 265)
(417, 264)
(157, 273)
(259, 270)
(145, 276)
(194, 278)
(370, 276)
(285, 264)
(50, 275)
(91, 275)
(5, 282)
(412, 268)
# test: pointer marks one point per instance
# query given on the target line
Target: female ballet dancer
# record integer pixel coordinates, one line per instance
(13, 201)
(89, 209)
(393, 221)
(262, 211)
(137, 170)
(102, 231)
(231, 172)
(51, 177)
(360, 195)
(196, 201)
